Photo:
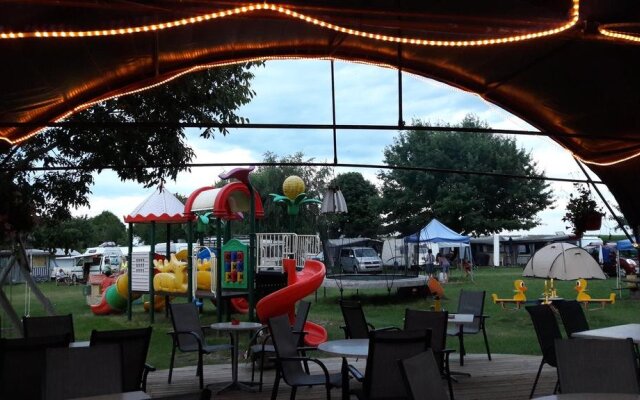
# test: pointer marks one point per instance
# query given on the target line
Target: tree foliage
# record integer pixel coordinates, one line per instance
(363, 204)
(80, 232)
(146, 155)
(473, 204)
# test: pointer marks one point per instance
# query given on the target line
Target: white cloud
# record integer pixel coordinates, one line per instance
(300, 92)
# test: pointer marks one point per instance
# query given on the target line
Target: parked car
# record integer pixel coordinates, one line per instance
(360, 259)
(628, 266)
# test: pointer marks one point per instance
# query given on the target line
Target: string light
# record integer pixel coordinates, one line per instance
(612, 30)
(200, 67)
(609, 163)
(254, 59)
(574, 16)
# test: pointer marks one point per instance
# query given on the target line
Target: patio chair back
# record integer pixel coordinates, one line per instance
(547, 331)
(436, 321)
(355, 323)
(52, 325)
(290, 363)
(302, 312)
(472, 302)
(260, 344)
(185, 318)
(421, 377)
(188, 336)
(597, 366)
(74, 372)
(573, 317)
(422, 320)
(22, 365)
(382, 377)
(134, 344)
(285, 343)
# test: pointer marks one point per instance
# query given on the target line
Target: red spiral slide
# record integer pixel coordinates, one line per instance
(300, 285)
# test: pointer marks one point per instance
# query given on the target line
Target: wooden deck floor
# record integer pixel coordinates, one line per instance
(505, 377)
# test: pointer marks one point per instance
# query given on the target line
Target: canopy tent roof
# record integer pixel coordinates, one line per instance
(545, 61)
(436, 232)
(160, 206)
(563, 261)
(625, 245)
(227, 202)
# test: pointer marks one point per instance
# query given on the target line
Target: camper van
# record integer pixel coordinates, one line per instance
(360, 259)
(68, 265)
(393, 253)
(97, 260)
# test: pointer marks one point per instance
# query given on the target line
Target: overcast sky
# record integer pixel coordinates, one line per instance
(300, 92)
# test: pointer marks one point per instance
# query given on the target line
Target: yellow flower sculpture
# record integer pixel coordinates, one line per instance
(294, 196)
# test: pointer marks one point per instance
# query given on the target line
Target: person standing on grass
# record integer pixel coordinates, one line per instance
(466, 267)
(444, 264)
(429, 263)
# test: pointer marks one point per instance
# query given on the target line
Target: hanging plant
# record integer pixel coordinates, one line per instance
(583, 212)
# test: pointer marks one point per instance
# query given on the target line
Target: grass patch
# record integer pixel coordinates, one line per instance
(508, 331)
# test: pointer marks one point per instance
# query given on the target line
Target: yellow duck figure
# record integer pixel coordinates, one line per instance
(518, 298)
(585, 298)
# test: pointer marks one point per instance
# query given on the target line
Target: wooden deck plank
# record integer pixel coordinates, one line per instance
(506, 377)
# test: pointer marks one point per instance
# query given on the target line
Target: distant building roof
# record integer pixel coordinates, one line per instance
(517, 239)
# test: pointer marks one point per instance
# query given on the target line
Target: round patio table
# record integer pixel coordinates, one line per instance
(235, 330)
(590, 396)
(346, 347)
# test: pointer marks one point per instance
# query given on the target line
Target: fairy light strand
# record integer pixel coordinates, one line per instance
(573, 19)
(607, 30)
(271, 58)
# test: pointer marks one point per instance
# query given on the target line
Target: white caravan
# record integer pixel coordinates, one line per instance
(95, 260)
(393, 253)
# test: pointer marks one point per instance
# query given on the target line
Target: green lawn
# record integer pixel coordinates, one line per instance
(509, 331)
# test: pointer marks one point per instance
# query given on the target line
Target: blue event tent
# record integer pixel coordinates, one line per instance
(625, 245)
(437, 232)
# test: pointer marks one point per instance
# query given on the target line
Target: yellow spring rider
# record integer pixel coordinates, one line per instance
(518, 298)
(585, 299)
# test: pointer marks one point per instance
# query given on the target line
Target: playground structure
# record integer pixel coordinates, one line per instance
(231, 272)
(586, 300)
(518, 299)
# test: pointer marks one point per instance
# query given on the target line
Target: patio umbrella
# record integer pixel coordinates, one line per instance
(563, 261)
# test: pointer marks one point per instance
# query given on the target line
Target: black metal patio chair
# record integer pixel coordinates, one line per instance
(573, 317)
(597, 366)
(382, 378)
(436, 321)
(261, 345)
(75, 372)
(547, 331)
(471, 302)
(290, 363)
(188, 336)
(134, 344)
(22, 364)
(421, 376)
(51, 325)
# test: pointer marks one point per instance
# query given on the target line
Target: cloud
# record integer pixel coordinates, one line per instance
(300, 92)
